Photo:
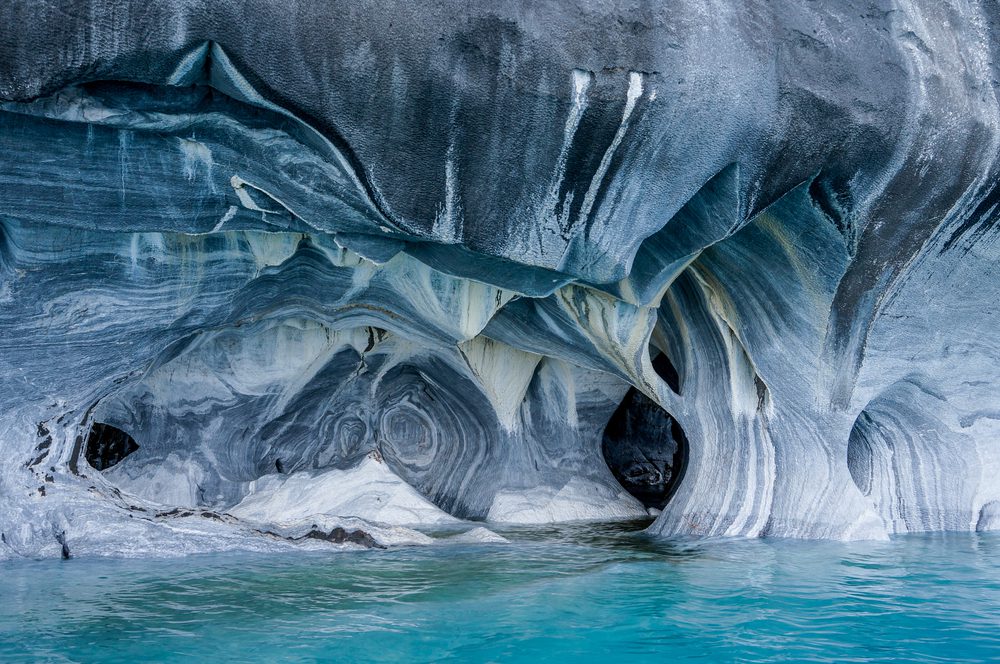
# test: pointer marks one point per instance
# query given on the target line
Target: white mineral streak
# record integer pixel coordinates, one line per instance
(632, 95)
(553, 221)
(197, 158)
(448, 221)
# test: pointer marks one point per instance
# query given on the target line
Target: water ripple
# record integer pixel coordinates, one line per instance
(557, 593)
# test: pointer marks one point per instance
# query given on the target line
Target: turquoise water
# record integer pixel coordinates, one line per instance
(561, 594)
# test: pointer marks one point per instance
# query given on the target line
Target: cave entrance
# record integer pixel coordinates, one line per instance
(664, 368)
(646, 449)
(107, 446)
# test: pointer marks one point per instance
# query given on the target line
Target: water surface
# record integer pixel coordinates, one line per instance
(571, 593)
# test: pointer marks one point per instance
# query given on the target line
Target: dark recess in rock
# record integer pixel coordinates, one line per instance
(664, 368)
(339, 535)
(646, 449)
(61, 538)
(107, 446)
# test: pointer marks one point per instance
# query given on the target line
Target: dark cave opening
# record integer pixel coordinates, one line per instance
(646, 449)
(107, 446)
(665, 369)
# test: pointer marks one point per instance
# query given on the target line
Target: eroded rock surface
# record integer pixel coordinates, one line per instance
(424, 251)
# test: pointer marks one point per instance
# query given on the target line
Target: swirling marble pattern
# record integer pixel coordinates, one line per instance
(324, 267)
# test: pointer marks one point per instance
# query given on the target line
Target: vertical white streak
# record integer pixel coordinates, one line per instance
(634, 92)
(448, 222)
(124, 146)
(581, 83)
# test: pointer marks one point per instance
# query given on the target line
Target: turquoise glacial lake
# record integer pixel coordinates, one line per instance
(553, 594)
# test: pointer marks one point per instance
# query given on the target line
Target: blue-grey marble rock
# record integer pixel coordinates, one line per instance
(336, 264)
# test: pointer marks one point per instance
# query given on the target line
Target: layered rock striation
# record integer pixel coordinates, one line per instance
(269, 271)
